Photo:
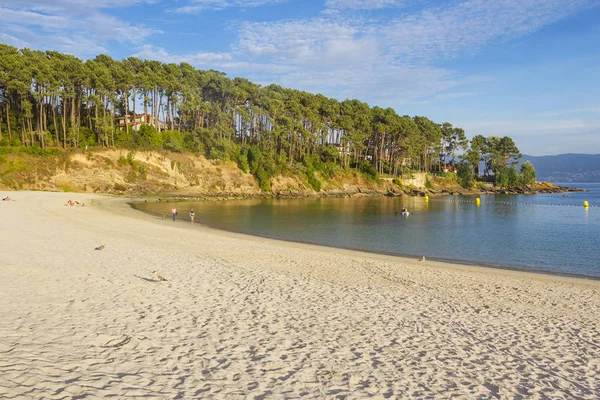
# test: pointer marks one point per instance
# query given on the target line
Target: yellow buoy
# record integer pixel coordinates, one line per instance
(586, 204)
(426, 198)
(478, 201)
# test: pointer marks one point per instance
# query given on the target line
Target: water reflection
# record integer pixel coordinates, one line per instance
(499, 232)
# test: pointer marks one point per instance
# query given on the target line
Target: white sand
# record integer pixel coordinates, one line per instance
(242, 317)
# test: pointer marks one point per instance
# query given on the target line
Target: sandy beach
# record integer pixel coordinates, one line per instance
(241, 317)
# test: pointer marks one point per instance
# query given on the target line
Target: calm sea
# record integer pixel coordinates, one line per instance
(544, 232)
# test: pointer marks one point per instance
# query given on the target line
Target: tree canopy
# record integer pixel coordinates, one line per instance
(50, 99)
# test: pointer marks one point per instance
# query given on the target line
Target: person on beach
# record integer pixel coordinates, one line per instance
(192, 215)
(174, 213)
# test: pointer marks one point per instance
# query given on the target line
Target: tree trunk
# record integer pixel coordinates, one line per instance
(126, 103)
(155, 107)
(64, 121)
(112, 131)
(145, 92)
(52, 101)
(73, 126)
(8, 120)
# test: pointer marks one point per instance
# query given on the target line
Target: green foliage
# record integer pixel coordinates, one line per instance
(176, 141)
(528, 176)
(265, 130)
(331, 169)
(148, 138)
(143, 171)
(87, 137)
(368, 170)
(506, 177)
(264, 179)
(513, 176)
(243, 162)
(464, 173)
(427, 182)
(131, 159)
(313, 181)
(450, 177)
(35, 151)
(125, 139)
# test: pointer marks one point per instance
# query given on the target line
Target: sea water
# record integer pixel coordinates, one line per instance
(542, 232)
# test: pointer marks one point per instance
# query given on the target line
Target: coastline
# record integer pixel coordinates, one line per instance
(399, 256)
(264, 316)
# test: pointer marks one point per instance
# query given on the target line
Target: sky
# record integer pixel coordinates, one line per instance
(528, 69)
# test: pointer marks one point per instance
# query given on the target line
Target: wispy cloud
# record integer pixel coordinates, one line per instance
(449, 31)
(530, 127)
(390, 60)
(362, 4)
(541, 137)
(203, 58)
(590, 109)
(80, 28)
(196, 6)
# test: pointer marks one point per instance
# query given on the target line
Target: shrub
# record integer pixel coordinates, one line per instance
(368, 170)
(263, 179)
(310, 173)
(528, 175)
(331, 169)
(464, 175)
(148, 138)
(243, 163)
(506, 176)
(173, 140)
(513, 176)
(451, 177)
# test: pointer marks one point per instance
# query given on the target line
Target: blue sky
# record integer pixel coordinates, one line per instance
(529, 69)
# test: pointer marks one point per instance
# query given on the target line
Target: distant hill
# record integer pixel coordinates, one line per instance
(584, 168)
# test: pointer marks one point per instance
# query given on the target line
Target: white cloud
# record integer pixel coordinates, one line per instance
(70, 26)
(590, 109)
(388, 61)
(196, 6)
(12, 40)
(530, 127)
(362, 4)
(538, 137)
(454, 95)
(391, 60)
(198, 59)
(320, 42)
(446, 32)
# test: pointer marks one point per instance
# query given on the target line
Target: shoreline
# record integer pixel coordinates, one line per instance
(241, 316)
(131, 201)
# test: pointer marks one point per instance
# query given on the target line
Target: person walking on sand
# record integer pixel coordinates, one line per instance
(192, 215)
(174, 213)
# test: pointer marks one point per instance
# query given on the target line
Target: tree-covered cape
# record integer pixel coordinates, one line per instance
(50, 99)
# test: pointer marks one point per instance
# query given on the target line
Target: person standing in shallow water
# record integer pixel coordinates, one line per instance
(192, 215)
(174, 213)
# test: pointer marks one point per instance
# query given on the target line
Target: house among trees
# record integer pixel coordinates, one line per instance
(137, 120)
